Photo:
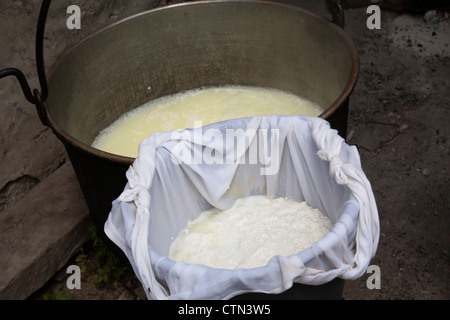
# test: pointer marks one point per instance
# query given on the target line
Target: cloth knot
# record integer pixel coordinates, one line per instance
(336, 165)
(139, 194)
(336, 171)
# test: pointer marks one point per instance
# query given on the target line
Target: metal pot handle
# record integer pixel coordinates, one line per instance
(336, 8)
(37, 98)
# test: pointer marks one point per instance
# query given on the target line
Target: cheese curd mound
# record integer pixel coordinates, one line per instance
(250, 233)
(206, 105)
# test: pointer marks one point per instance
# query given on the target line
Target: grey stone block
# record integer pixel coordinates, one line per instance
(41, 232)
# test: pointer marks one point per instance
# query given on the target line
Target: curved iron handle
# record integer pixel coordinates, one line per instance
(22, 81)
(40, 48)
(36, 97)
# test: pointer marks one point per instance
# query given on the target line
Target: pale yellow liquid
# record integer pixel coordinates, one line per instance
(208, 105)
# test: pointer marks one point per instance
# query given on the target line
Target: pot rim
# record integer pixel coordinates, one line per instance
(86, 148)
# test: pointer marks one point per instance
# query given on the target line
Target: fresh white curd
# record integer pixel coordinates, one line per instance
(250, 233)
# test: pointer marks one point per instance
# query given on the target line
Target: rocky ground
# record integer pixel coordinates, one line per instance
(399, 113)
(399, 120)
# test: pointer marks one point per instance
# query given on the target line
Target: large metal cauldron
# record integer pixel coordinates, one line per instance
(180, 47)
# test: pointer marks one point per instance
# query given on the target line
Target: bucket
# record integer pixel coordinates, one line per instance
(167, 189)
(180, 47)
